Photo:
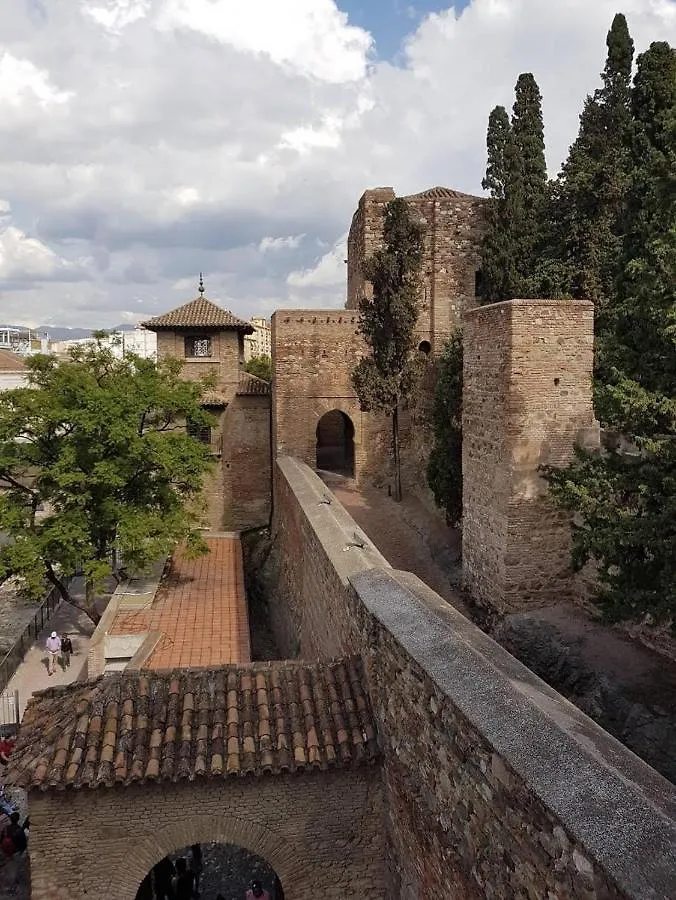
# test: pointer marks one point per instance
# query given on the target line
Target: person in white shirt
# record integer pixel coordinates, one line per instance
(53, 646)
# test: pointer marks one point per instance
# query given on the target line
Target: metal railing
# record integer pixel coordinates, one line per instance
(13, 659)
(9, 713)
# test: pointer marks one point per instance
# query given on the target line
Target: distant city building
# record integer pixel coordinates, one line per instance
(258, 343)
(140, 341)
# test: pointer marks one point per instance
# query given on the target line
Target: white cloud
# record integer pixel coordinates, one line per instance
(309, 36)
(292, 242)
(20, 80)
(144, 140)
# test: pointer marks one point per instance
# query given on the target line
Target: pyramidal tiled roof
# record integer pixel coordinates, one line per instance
(199, 313)
(264, 718)
(440, 193)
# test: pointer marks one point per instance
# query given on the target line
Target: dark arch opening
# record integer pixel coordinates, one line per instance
(425, 347)
(225, 869)
(335, 443)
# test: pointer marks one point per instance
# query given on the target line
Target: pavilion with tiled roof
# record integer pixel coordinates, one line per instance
(199, 313)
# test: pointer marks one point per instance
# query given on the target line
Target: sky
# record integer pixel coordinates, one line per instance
(144, 141)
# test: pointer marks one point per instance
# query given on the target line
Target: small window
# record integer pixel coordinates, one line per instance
(425, 347)
(478, 283)
(199, 432)
(197, 347)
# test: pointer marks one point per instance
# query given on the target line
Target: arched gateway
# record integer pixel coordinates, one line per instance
(335, 443)
(273, 757)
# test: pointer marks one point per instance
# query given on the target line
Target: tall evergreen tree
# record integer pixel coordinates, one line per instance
(589, 193)
(514, 235)
(386, 378)
(444, 469)
(626, 506)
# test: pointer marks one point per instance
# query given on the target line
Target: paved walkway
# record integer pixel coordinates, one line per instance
(200, 610)
(32, 674)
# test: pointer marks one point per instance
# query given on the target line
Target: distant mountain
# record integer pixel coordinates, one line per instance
(57, 333)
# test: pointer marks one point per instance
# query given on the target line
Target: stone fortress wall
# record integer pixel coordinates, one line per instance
(496, 786)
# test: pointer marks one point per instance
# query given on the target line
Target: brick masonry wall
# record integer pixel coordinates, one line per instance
(497, 787)
(314, 352)
(247, 479)
(322, 833)
(526, 401)
(454, 225)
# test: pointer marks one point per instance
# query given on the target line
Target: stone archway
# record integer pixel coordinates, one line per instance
(257, 839)
(335, 443)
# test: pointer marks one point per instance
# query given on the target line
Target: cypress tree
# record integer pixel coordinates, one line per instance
(590, 190)
(388, 376)
(626, 505)
(517, 178)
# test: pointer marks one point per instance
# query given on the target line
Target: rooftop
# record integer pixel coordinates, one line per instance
(252, 384)
(442, 193)
(266, 718)
(199, 611)
(199, 313)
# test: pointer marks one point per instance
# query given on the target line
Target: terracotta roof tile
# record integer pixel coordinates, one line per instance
(213, 398)
(199, 313)
(264, 718)
(252, 384)
(10, 362)
(441, 193)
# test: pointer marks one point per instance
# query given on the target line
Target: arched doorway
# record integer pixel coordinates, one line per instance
(335, 443)
(217, 869)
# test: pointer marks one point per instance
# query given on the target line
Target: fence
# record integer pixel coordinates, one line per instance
(11, 662)
(9, 712)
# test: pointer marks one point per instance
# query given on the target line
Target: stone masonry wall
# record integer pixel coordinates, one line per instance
(246, 463)
(322, 833)
(454, 225)
(526, 401)
(314, 352)
(497, 787)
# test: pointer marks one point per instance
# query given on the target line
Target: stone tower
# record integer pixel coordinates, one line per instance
(454, 226)
(210, 340)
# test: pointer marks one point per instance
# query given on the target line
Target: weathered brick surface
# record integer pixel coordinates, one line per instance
(496, 786)
(322, 833)
(314, 353)
(454, 224)
(526, 401)
(237, 492)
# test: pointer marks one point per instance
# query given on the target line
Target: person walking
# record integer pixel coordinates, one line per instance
(196, 866)
(53, 646)
(184, 882)
(163, 872)
(66, 650)
(257, 892)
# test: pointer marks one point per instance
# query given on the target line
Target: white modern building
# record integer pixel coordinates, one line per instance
(259, 343)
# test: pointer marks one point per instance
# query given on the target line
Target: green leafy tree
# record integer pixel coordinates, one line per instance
(386, 378)
(589, 194)
(96, 465)
(517, 178)
(444, 469)
(625, 504)
(260, 366)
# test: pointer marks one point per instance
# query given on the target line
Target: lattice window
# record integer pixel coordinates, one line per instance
(199, 347)
(199, 432)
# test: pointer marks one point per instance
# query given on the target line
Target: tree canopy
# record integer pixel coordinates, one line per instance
(95, 461)
(444, 469)
(260, 366)
(387, 376)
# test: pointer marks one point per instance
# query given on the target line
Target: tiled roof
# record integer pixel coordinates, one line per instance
(439, 193)
(262, 719)
(10, 362)
(199, 313)
(213, 398)
(252, 384)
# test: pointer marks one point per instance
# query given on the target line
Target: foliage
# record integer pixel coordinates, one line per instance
(444, 469)
(260, 366)
(588, 196)
(97, 444)
(516, 176)
(626, 505)
(387, 377)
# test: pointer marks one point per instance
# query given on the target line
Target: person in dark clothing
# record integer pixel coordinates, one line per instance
(17, 833)
(196, 865)
(184, 882)
(163, 872)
